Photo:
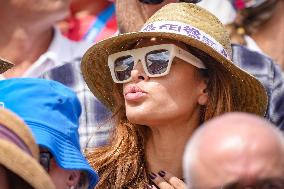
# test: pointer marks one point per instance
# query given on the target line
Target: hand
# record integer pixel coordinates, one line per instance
(165, 180)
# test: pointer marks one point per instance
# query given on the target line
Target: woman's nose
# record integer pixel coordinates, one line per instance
(138, 73)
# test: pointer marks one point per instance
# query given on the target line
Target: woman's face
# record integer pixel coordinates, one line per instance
(176, 96)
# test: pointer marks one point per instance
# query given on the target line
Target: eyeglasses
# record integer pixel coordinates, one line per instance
(160, 1)
(156, 61)
(45, 158)
(273, 183)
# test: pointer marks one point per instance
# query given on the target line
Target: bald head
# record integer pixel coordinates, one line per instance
(235, 147)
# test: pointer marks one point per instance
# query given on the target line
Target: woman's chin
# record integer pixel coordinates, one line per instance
(138, 115)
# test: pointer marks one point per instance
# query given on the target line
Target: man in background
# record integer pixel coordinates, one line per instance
(235, 150)
(30, 40)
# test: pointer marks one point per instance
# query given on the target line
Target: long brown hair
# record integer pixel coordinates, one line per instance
(122, 164)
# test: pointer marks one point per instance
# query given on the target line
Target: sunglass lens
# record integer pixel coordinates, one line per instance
(123, 67)
(157, 61)
(151, 1)
(45, 160)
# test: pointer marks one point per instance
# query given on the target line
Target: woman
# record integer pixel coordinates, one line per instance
(168, 79)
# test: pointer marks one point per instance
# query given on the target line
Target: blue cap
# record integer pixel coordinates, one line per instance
(52, 112)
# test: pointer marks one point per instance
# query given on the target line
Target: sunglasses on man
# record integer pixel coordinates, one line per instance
(160, 1)
(156, 61)
(45, 157)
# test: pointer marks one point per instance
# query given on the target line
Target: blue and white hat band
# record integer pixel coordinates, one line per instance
(186, 30)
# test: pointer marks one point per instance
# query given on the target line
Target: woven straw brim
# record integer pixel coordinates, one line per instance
(5, 65)
(11, 121)
(15, 159)
(248, 93)
(23, 165)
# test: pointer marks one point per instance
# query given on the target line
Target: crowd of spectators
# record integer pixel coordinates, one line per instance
(167, 94)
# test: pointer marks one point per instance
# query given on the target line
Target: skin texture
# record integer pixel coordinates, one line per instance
(136, 15)
(63, 179)
(179, 106)
(27, 30)
(3, 179)
(170, 108)
(159, 152)
(242, 148)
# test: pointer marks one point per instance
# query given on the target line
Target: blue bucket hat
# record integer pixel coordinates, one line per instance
(52, 112)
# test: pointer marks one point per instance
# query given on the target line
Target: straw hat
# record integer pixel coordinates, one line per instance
(4, 65)
(20, 153)
(191, 25)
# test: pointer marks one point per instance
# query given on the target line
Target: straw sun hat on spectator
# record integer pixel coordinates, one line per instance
(191, 25)
(4, 65)
(20, 153)
(51, 110)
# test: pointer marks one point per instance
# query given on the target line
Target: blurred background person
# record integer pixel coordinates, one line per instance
(235, 150)
(259, 25)
(52, 112)
(131, 14)
(19, 166)
(90, 20)
(31, 41)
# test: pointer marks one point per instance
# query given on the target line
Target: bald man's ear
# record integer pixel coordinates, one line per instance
(73, 178)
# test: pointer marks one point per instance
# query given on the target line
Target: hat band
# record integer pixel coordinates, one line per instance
(7, 134)
(188, 31)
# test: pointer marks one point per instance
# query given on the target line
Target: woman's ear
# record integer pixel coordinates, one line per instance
(73, 178)
(203, 97)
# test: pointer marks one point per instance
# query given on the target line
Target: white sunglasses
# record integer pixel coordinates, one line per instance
(156, 61)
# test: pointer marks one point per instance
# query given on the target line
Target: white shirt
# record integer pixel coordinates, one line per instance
(226, 13)
(222, 9)
(60, 52)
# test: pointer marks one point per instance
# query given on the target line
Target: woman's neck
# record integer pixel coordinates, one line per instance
(164, 149)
